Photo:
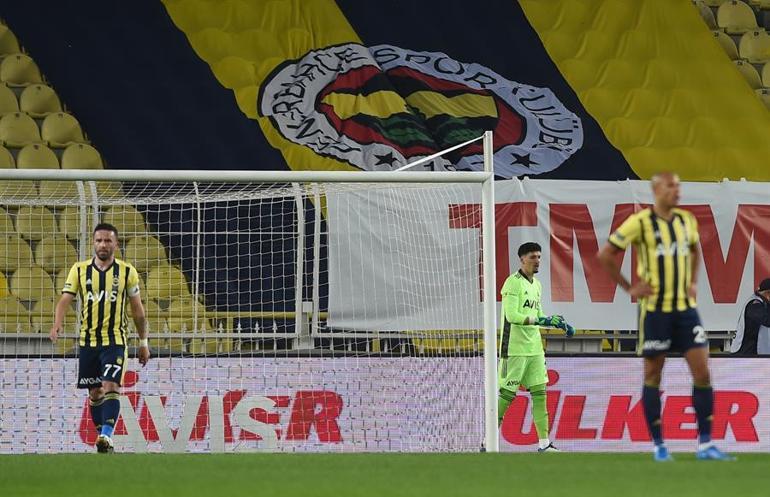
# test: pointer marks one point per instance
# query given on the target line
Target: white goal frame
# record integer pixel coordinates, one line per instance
(485, 178)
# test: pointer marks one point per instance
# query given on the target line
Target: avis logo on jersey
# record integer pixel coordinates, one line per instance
(112, 296)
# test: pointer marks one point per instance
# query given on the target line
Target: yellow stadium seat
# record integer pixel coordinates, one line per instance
(32, 283)
(6, 223)
(705, 13)
(69, 222)
(81, 156)
(35, 222)
(764, 95)
(6, 159)
(18, 129)
(4, 291)
(765, 76)
(749, 73)
(39, 100)
(714, 3)
(18, 189)
(156, 316)
(14, 253)
(727, 43)
(180, 315)
(43, 313)
(60, 279)
(54, 253)
(145, 253)
(760, 4)
(8, 102)
(736, 17)
(166, 282)
(19, 70)
(127, 220)
(8, 42)
(755, 46)
(61, 129)
(36, 156)
(14, 317)
(58, 190)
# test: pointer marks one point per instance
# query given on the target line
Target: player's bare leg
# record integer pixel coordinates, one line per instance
(703, 401)
(110, 411)
(653, 373)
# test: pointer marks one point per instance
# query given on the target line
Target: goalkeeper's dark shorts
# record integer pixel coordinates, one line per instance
(678, 331)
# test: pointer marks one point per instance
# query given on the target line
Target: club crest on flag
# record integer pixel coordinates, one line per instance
(381, 107)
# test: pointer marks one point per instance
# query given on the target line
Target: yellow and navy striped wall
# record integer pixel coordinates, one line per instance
(574, 89)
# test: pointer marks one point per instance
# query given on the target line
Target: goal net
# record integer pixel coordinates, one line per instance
(307, 313)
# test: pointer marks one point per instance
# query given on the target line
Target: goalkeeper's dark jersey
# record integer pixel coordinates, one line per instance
(664, 256)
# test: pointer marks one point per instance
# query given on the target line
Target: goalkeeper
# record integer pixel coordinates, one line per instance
(522, 359)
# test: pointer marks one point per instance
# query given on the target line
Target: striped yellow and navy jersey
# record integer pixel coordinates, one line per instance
(664, 256)
(104, 295)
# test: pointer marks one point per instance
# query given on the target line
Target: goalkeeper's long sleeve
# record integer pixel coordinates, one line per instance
(511, 309)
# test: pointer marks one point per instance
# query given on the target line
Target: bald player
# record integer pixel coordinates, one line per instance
(666, 238)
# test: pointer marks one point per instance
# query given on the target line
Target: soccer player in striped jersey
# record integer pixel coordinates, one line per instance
(522, 359)
(104, 285)
(666, 238)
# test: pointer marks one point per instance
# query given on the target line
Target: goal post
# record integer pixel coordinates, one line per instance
(288, 310)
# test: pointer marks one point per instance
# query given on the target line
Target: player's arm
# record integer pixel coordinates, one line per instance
(511, 307)
(694, 257)
(65, 301)
(71, 288)
(626, 234)
(137, 311)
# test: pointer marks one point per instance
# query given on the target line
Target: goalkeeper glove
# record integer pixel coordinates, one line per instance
(554, 321)
(569, 329)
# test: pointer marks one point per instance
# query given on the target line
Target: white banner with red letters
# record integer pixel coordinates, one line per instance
(571, 220)
(414, 404)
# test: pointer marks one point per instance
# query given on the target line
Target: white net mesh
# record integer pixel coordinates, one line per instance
(286, 317)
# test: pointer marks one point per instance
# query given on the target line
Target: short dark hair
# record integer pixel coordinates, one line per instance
(528, 247)
(106, 227)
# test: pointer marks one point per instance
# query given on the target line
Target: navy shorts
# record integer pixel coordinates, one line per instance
(678, 331)
(99, 364)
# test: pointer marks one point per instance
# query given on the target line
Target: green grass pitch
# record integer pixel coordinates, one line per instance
(445, 475)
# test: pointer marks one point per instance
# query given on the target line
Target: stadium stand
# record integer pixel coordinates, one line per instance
(6, 159)
(54, 253)
(8, 42)
(81, 156)
(18, 129)
(39, 100)
(19, 70)
(14, 253)
(60, 130)
(32, 283)
(35, 222)
(8, 102)
(36, 156)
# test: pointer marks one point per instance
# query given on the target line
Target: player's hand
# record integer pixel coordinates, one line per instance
(143, 354)
(570, 330)
(554, 321)
(640, 289)
(54, 333)
(692, 292)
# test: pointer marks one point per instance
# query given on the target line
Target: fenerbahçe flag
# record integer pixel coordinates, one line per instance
(371, 87)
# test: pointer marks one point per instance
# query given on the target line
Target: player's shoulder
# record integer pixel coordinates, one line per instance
(127, 265)
(82, 264)
(684, 213)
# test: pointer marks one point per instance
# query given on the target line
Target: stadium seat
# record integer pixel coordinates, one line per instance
(764, 95)
(39, 100)
(127, 220)
(18, 188)
(760, 4)
(166, 282)
(6, 159)
(60, 130)
(749, 73)
(36, 156)
(8, 42)
(180, 315)
(54, 253)
(727, 43)
(56, 191)
(705, 13)
(6, 223)
(32, 283)
(755, 46)
(714, 3)
(60, 279)
(736, 17)
(18, 129)
(156, 320)
(19, 70)
(14, 317)
(43, 312)
(145, 253)
(69, 222)
(35, 222)
(4, 291)
(14, 253)
(765, 76)
(8, 102)
(81, 156)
